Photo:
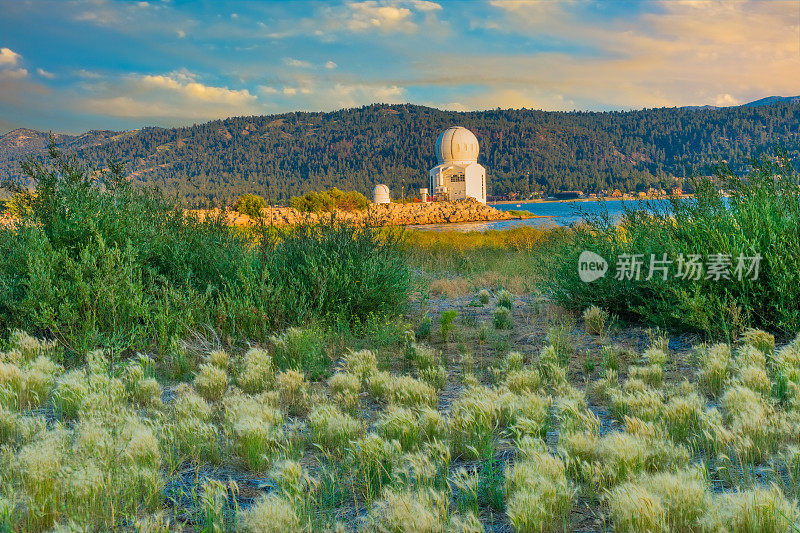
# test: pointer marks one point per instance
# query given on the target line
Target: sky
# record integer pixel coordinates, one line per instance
(71, 66)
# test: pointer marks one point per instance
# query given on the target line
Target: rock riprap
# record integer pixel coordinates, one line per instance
(393, 214)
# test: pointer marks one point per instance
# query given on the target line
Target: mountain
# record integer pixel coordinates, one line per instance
(278, 156)
(769, 100)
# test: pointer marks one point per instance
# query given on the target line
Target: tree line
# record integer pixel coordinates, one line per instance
(525, 151)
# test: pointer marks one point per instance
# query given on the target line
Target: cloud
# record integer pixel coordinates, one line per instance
(9, 58)
(297, 63)
(176, 95)
(330, 65)
(725, 100)
(385, 17)
(45, 74)
(370, 15)
(14, 73)
(425, 5)
(671, 54)
(197, 91)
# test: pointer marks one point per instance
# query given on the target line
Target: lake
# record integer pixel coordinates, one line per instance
(558, 213)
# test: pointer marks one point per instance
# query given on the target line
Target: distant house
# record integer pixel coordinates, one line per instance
(677, 191)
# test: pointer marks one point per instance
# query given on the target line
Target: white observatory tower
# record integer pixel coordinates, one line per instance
(458, 174)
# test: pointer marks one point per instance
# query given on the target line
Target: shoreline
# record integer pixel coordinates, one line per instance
(601, 199)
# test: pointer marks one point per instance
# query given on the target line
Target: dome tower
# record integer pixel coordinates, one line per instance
(457, 145)
(458, 175)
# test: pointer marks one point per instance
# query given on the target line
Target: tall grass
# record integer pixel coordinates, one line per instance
(94, 261)
(760, 217)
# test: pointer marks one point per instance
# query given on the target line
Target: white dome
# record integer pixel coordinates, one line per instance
(381, 194)
(456, 144)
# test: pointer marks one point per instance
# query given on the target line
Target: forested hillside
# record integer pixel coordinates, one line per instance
(279, 156)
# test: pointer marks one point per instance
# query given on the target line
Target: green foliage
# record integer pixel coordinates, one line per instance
(502, 318)
(333, 269)
(446, 323)
(313, 202)
(526, 150)
(250, 205)
(98, 262)
(760, 217)
(301, 349)
(424, 328)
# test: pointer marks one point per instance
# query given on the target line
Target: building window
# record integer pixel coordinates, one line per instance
(456, 178)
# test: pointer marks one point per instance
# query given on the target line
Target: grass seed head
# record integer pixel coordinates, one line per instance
(257, 373)
(595, 320)
(293, 391)
(760, 340)
(211, 382)
(331, 429)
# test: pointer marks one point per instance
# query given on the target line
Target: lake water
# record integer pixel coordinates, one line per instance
(558, 213)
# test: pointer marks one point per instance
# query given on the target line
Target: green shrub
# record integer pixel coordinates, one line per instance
(301, 349)
(504, 299)
(314, 202)
(761, 216)
(95, 262)
(446, 323)
(424, 328)
(335, 270)
(250, 205)
(502, 318)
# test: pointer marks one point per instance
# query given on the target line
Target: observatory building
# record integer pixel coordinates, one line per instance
(381, 194)
(458, 174)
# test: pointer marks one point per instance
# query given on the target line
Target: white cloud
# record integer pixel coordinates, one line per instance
(726, 99)
(45, 74)
(9, 58)
(330, 65)
(162, 96)
(370, 15)
(426, 5)
(181, 34)
(297, 63)
(197, 91)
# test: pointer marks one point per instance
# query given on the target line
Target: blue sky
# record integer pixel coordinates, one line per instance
(101, 64)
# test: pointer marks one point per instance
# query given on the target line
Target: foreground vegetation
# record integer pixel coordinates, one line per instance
(760, 218)
(95, 262)
(162, 373)
(583, 431)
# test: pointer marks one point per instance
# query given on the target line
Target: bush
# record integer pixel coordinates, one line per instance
(760, 216)
(504, 299)
(595, 320)
(94, 261)
(334, 270)
(211, 382)
(484, 296)
(250, 205)
(313, 202)
(502, 318)
(301, 349)
(446, 323)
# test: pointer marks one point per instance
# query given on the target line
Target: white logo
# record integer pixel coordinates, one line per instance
(591, 266)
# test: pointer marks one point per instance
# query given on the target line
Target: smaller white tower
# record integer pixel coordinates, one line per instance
(381, 194)
(423, 193)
